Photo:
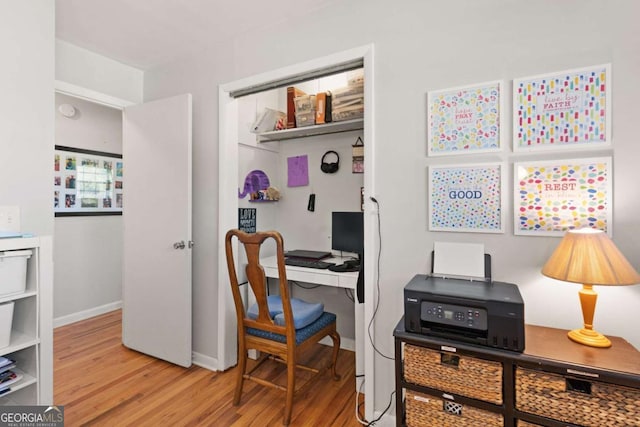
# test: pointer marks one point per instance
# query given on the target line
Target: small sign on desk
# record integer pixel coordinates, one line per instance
(247, 220)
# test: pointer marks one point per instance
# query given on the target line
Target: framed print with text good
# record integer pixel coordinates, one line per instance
(567, 109)
(465, 119)
(87, 182)
(467, 198)
(551, 197)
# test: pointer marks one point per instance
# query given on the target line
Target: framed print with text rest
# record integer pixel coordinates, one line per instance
(567, 109)
(465, 119)
(87, 182)
(551, 197)
(467, 198)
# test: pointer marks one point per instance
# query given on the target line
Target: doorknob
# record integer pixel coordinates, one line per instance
(179, 245)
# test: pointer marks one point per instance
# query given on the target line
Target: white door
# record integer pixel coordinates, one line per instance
(156, 283)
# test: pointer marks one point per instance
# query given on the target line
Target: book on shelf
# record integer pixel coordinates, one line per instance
(323, 107)
(292, 93)
(7, 378)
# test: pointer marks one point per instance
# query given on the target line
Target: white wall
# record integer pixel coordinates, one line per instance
(421, 46)
(26, 116)
(88, 249)
(89, 70)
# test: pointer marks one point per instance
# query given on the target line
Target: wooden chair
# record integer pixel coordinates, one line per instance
(262, 332)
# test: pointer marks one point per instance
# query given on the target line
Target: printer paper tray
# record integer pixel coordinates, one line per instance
(458, 334)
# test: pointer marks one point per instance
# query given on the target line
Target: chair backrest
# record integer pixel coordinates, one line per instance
(252, 243)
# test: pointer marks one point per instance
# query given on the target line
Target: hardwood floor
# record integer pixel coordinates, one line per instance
(102, 383)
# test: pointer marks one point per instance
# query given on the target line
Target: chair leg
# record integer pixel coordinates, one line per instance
(242, 365)
(335, 337)
(291, 388)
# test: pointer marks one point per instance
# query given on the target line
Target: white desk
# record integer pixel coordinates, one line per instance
(325, 277)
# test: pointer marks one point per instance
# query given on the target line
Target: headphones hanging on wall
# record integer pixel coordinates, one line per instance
(330, 167)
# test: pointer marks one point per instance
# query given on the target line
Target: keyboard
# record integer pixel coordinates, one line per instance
(308, 263)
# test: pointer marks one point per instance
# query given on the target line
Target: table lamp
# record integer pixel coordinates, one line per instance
(589, 257)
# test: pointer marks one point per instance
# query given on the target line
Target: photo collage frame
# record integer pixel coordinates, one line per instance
(87, 182)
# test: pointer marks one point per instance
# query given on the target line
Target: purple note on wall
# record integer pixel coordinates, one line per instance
(298, 171)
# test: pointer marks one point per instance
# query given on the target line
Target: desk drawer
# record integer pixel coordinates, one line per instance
(576, 400)
(467, 376)
(427, 411)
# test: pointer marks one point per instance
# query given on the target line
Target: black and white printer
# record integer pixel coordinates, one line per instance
(470, 308)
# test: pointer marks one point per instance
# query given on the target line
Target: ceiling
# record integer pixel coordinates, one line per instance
(145, 34)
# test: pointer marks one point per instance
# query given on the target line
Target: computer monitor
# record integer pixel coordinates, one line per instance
(347, 232)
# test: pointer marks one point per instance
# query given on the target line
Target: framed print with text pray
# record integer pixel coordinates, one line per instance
(465, 119)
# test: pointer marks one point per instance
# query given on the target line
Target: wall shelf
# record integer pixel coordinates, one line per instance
(333, 127)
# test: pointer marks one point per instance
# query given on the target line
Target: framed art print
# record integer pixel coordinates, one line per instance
(87, 182)
(465, 120)
(551, 197)
(467, 198)
(567, 109)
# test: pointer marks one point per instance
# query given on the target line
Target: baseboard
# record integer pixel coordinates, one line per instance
(204, 361)
(345, 343)
(86, 314)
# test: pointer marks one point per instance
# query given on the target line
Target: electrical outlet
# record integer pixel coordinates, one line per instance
(10, 218)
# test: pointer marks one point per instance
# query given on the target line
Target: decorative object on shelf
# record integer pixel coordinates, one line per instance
(298, 171)
(292, 93)
(551, 197)
(358, 156)
(268, 120)
(305, 107)
(465, 119)
(467, 198)
(589, 257)
(247, 220)
(255, 181)
(347, 103)
(330, 167)
(563, 109)
(323, 107)
(87, 182)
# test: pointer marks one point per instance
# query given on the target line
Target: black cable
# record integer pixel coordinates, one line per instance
(372, 423)
(375, 311)
(349, 293)
(304, 287)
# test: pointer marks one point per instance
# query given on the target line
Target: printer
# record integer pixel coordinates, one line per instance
(480, 312)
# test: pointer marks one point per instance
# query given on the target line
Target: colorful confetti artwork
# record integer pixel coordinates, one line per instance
(464, 120)
(552, 197)
(466, 198)
(564, 109)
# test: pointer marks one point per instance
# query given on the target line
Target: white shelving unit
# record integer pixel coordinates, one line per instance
(333, 127)
(31, 342)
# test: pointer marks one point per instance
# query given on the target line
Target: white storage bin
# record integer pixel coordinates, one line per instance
(13, 271)
(6, 319)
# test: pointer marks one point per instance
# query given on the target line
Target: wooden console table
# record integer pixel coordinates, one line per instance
(555, 382)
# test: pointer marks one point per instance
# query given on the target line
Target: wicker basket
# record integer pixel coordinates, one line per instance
(527, 424)
(429, 411)
(596, 405)
(466, 376)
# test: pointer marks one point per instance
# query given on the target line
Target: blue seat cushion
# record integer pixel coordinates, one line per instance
(304, 313)
(302, 334)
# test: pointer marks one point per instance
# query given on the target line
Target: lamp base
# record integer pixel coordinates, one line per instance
(589, 337)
